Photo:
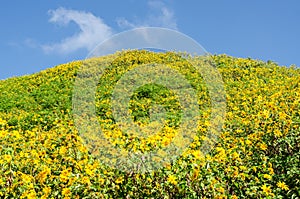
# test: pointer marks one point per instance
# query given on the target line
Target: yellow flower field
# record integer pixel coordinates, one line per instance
(257, 155)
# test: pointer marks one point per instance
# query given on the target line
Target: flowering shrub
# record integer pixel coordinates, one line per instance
(256, 156)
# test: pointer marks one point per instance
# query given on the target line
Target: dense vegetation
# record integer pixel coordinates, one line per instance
(257, 154)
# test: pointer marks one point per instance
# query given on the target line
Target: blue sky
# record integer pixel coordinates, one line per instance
(36, 35)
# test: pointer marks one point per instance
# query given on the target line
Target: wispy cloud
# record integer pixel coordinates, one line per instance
(92, 31)
(160, 16)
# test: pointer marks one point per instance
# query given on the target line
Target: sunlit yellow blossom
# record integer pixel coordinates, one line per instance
(271, 170)
(90, 170)
(234, 197)
(221, 189)
(42, 176)
(266, 189)
(7, 158)
(62, 150)
(248, 142)
(31, 195)
(101, 180)
(235, 155)
(267, 176)
(172, 179)
(119, 180)
(47, 190)
(2, 122)
(282, 185)
(277, 133)
(263, 146)
(27, 178)
(85, 180)
(66, 191)
(64, 176)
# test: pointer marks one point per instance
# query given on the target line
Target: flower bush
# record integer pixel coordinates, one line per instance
(257, 154)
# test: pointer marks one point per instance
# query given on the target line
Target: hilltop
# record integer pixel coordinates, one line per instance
(257, 155)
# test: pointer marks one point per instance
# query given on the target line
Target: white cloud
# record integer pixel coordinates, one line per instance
(92, 31)
(31, 43)
(160, 16)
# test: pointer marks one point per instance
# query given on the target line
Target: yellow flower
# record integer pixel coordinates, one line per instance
(42, 176)
(235, 173)
(101, 180)
(221, 189)
(44, 196)
(267, 176)
(31, 195)
(3, 134)
(2, 122)
(119, 180)
(234, 197)
(195, 174)
(235, 155)
(248, 142)
(282, 186)
(64, 176)
(66, 191)
(7, 158)
(90, 170)
(266, 189)
(220, 197)
(263, 146)
(282, 115)
(86, 180)
(243, 168)
(271, 170)
(47, 190)
(63, 150)
(26, 178)
(172, 179)
(277, 133)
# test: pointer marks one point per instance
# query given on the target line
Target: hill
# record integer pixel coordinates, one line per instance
(257, 155)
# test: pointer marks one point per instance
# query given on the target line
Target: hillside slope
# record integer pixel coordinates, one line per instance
(257, 155)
